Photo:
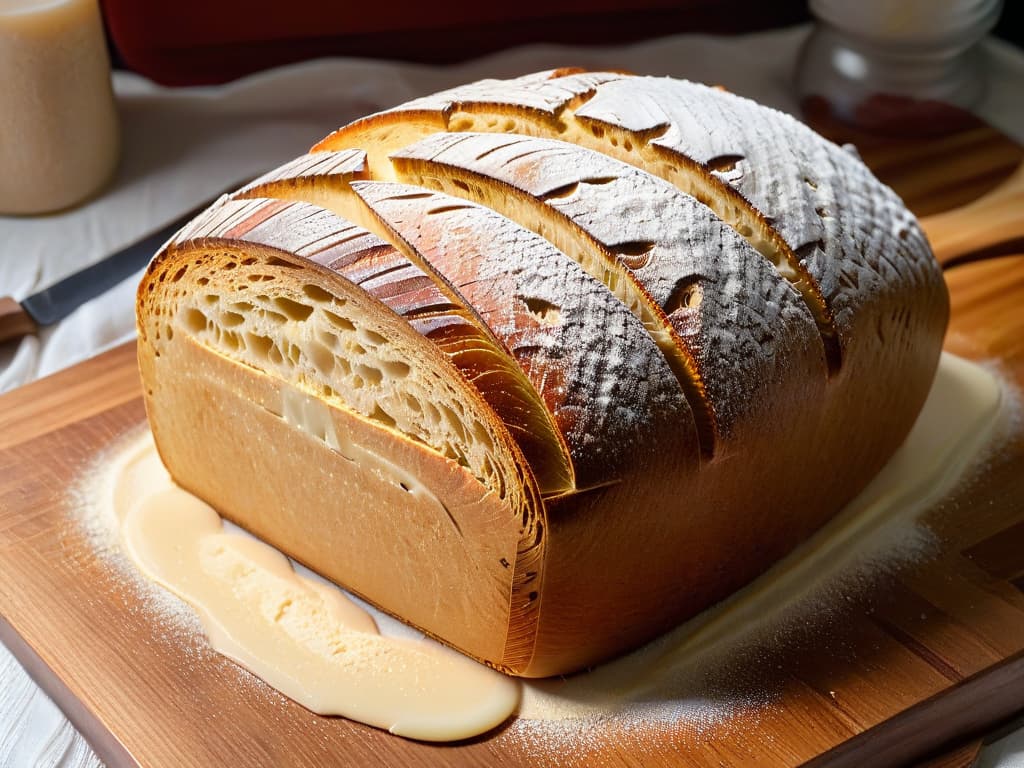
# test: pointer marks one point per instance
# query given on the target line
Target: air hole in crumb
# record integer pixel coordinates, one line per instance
(433, 414)
(258, 344)
(316, 293)
(487, 467)
(293, 309)
(454, 422)
(327, 338)
(372, 338)
(321, 357)
(274, 317)
(195, 321)
(231, 319)
(231, 340)
(341, 322)
(382, 416)
(395, 369)
(370, 374)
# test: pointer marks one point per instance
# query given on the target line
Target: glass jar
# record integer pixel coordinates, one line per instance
(905, 67)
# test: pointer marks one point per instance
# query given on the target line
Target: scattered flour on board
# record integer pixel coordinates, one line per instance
(173, 622)
(706, 674)
(702, 676)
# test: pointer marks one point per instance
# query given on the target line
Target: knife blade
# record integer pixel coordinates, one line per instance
(59, 300)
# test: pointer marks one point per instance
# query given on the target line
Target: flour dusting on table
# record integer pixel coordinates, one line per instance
(705, 675)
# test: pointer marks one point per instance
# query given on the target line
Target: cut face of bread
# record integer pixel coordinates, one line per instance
(318, 366)
(411, 286)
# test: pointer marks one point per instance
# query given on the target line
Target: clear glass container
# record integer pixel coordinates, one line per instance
(896, 66)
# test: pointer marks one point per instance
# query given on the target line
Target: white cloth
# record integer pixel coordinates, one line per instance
(185, 145)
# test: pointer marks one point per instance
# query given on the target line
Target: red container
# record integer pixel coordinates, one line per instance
(207, 41)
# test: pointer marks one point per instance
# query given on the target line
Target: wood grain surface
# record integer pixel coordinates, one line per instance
(918, 658)
(14, 321)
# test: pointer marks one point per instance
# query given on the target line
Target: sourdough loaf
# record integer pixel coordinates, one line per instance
(544, 366)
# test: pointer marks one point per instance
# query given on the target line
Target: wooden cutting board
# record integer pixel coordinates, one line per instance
(916, 662)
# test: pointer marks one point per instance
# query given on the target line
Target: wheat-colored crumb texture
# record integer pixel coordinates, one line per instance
(661, 332)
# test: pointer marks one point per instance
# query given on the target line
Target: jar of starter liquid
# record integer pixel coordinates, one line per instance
(58, 123)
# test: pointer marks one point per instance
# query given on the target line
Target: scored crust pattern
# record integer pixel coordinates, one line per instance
(733, 315)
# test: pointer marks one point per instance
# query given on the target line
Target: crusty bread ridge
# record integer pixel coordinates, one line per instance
(544, 366)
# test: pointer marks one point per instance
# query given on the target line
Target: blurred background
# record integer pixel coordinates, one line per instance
(191, 42)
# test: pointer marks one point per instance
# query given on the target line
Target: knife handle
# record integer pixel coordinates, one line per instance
(14, 321)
